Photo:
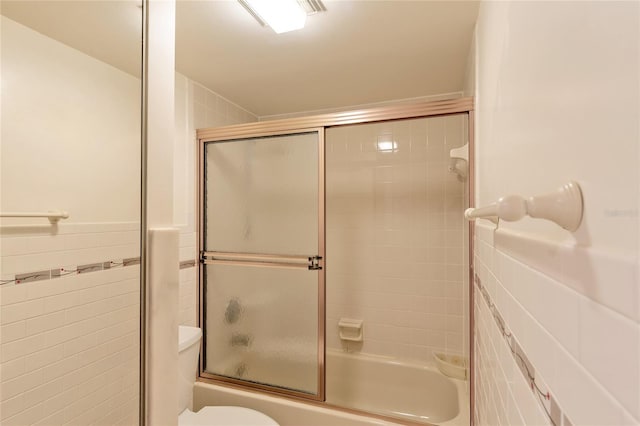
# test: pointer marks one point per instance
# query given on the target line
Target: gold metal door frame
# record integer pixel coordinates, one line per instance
(463, 105)
(264, 260)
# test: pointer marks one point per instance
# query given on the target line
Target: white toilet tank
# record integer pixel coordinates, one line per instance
(188, 352)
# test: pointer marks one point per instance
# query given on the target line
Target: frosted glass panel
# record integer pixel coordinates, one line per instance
(262, 325)
(262, 195)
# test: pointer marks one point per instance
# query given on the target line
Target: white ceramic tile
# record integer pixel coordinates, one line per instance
(12, 331)
(11, 388)
(200, 116)
(26, 417)
(514, 417)
(584, 400)
(56, 418)
(601, 333)
(188, 239)
(43, 392)
(121, 328)
(21, 311)
(68, 332)
(115, 288)
(20, 348)
(44, 357)
(211, 100)
(454, 342)
(579, 268)
(199, 93)
(95, 383)
(60, 368)
(10, 294)
(11, 369)
(44, 323)
(56, 286)
(11, 406)
(82, 343)
(60, 401)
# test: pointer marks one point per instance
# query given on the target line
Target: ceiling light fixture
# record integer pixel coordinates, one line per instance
(282, 15)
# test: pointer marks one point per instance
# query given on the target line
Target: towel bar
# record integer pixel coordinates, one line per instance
(564, 207)
(54, 217)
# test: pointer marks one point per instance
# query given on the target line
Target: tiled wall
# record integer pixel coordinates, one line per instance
(196, 107)
(552, 108)
(572, 343)
(395, 236)
(69, 346)
(504, 392)
(69, 338)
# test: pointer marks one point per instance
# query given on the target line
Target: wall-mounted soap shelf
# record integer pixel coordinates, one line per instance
(350, 329)
(563, 207)
(453, 366)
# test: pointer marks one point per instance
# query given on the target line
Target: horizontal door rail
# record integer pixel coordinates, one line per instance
(260, 264)
(264, 260)
(224, 255)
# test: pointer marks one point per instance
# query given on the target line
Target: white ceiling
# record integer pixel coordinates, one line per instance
(357, 52)
(107, 30)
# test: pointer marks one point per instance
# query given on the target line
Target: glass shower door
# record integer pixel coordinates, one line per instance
(262, 249)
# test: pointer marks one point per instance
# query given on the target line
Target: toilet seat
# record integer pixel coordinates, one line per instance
(225, 416)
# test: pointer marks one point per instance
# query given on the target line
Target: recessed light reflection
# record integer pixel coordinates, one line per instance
(387, 146)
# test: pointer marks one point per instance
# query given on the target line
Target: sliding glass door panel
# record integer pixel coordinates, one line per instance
(262, 251)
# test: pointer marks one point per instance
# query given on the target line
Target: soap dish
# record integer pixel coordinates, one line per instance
(454, 366)
(350, 329)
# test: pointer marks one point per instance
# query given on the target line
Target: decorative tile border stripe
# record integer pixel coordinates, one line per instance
(552, 410)
(188, 264)
(50, 274)
(70, 270)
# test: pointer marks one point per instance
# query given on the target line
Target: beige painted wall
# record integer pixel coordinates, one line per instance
(61, 149)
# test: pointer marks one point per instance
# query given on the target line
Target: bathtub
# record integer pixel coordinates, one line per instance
(379, 385)
(383, 385)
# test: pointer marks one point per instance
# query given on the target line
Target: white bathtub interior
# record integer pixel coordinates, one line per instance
(378, 385)
(386, 386)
